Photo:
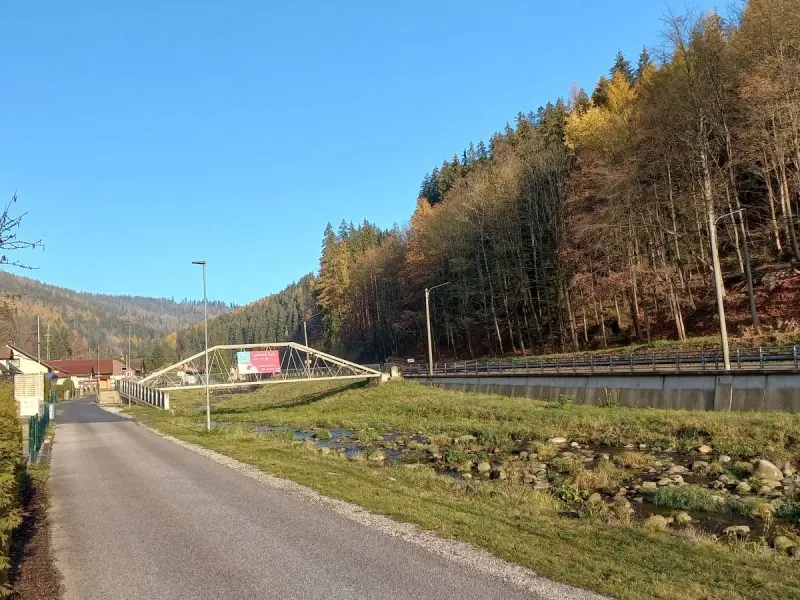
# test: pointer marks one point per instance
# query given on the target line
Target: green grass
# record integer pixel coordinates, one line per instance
(410, 408)
(509, 519)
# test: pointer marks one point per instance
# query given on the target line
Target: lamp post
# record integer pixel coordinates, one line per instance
(428, 321)
(305, 337)
(723, 327)
(205, 320)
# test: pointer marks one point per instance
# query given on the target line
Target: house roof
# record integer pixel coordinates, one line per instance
(9, 352)
(88, 367)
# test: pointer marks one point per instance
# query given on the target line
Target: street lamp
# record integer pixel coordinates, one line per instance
(428, 320)
(723, 327)
(205, 319)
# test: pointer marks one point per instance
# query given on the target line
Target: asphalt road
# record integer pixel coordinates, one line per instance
(137, 516)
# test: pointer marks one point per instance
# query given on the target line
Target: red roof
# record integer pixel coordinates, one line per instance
(88, 367)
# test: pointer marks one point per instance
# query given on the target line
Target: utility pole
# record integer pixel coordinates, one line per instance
(48, 341)
(428, 321)
(128, 362)
(719, 288)
(38, 342)
(205, 320)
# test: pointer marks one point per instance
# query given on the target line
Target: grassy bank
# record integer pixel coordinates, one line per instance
(410, 407)
(535, 528)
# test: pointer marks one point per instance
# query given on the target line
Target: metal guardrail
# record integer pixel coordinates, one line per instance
(142, 394)
(749, 359)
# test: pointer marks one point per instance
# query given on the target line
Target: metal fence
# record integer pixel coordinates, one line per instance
(750, 359)
(37, 426)
(136, 392)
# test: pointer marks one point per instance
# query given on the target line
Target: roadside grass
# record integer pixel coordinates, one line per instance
(509, 519)
(410, 408)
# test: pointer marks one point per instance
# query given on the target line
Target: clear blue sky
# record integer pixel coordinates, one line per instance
(144, 135)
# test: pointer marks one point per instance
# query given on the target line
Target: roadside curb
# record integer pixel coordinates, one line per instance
(462, 553)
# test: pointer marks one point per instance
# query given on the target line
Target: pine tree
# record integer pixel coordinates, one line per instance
(623, 67)
(644, 62)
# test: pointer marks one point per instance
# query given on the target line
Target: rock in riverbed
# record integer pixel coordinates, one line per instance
(743, 488)
(484, 467)
(738, 531)
(766, 470)
(557, 440)
(649, 487)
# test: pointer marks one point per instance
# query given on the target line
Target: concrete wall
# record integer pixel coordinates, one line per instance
(736, 391)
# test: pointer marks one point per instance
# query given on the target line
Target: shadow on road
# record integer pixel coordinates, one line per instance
(84, 410)
(299, 401)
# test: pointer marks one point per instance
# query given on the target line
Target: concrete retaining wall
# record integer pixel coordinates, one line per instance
(763, 391)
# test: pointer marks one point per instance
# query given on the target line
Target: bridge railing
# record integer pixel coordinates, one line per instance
(136, 392)
(748, 359)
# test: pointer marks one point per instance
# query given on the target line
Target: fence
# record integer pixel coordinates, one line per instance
(137, 392)
(756, 359)
(37, 426)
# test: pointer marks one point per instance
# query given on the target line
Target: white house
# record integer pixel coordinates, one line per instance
(28, 376)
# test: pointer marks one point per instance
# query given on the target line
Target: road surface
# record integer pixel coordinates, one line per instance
(137, 516)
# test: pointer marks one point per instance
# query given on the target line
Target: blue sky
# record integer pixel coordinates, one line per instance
(144, 135)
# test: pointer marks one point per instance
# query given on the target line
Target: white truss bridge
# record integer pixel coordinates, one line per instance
(297, 363)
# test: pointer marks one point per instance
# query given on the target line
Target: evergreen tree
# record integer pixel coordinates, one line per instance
(623, 67)
(644, 62)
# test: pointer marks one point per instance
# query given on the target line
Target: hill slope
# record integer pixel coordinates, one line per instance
(79, 321)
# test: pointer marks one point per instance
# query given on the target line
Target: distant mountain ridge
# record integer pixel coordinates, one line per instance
(79, 321)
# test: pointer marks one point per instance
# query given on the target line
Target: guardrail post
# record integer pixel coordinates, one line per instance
(611, 363)
(761, 357)
(702, 360)
(678, 361)
(794, 354)
(591, 363)
(738, 359)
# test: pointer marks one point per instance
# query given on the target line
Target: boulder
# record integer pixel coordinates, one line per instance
(595, 499)
(649, 487)
(766, 470)
(656, 523)
(663, 482)
(699, 466)
(743, 488)
(764, 489)
(574, 445)
(484, 467)
(724, 458)
(677, 470)
(704, 449)
(738, 531)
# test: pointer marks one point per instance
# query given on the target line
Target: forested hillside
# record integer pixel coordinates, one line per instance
(594, 221)
(275, 318)
(78, 321)
(597, 220)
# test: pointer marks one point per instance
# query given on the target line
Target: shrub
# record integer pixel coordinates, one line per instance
(609, 398)
(565, 400)
(790, 511)
(11, 471)
(323, 434)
